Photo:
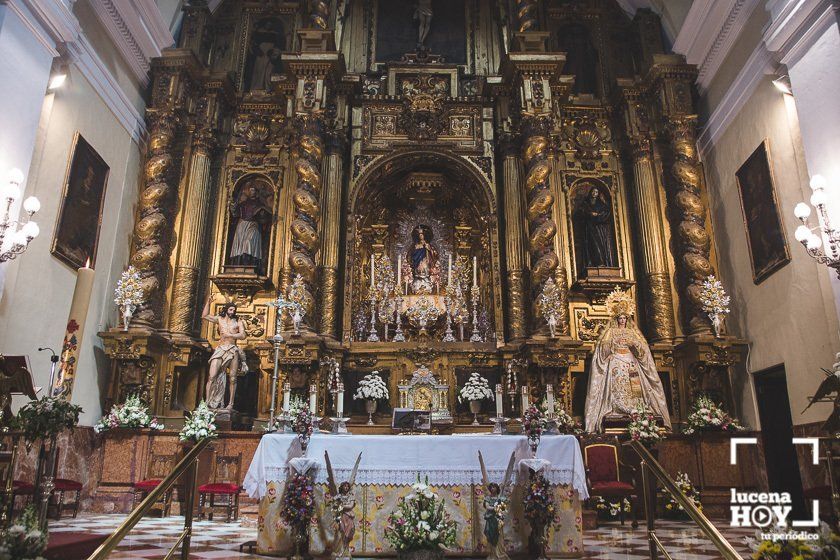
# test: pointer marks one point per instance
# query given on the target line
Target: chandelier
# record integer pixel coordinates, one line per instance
(805, 234)
(19, 234)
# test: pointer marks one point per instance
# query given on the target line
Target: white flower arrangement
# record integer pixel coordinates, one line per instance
(200, 424)
(611, 509)
(706, 415)
(372, 387)
(128, 294)
(643, 426)
(476, 388)
(715, 301)
(685, 485)
(131, 414)
(420, 522)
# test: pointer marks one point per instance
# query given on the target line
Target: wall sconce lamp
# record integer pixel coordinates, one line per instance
(58, 75)
(782, 84)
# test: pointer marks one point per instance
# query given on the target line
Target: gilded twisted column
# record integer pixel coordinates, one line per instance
(540, 205)
(653, 246)
(514, 235)
(309, 155)
(526, 14)
(196, 207)
(152, 231)
(331, 233)
(694, 239)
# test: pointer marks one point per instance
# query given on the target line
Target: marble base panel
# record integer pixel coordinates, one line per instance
(375, 502)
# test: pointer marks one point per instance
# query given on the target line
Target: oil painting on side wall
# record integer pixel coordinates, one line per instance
(76, 237)
(765, 236)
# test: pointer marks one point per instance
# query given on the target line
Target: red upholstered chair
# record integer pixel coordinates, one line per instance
(225, 483)
(65, 486)
(158, 467)
(603, 473)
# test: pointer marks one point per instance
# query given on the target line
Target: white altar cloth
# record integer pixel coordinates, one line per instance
(398, 460)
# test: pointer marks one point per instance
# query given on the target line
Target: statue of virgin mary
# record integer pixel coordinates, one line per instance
(623, 373)
(423, 259)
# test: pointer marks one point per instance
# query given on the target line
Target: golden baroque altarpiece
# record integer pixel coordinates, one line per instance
(472, 156)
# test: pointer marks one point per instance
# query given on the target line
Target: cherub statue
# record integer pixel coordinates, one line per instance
(342, 504)
(495, 507)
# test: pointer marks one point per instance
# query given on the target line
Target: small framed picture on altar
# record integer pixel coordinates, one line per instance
(410, 420)
(76, 237)
(765, 235)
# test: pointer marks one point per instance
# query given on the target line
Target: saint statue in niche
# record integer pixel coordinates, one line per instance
(596, 229)
(267, 42)
(423, 259)
(623, 373)
(251, 218)
(423, 14)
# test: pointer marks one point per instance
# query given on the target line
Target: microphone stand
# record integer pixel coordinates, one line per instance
(54, 360)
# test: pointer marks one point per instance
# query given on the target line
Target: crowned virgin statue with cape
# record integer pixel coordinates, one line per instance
(623, 373)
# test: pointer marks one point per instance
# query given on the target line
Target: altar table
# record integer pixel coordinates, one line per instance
(390, 464)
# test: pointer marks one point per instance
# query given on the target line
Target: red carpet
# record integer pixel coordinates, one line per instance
(72, 546)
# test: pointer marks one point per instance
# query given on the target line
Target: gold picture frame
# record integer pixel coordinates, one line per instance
(766, 239)
(77, 227)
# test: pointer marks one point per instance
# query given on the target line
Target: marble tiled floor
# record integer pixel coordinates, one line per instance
(220, 541)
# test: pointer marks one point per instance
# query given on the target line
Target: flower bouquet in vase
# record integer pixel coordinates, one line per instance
(298, 509)
(533, 425)
(372, 389)
(643, 427)
(539, 511)
(420, 528)
(706, 416)
(475, 390)
(128, 294)
(46, 418)
(302, 426)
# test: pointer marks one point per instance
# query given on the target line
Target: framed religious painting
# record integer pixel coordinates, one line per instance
(765, 235)
(76, 236)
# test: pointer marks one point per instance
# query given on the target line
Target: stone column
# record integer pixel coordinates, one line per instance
(514, 235)
(196, 207)
(331, 233)
(652, 243)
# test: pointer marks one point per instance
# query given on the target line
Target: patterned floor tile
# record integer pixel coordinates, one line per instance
(217, 540)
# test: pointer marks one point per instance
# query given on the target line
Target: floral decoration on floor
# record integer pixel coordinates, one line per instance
(705, 415)
(200, 424)
(608, 511)
(539, 501)
(826, 547)
(23, 540)
(131, 414)
(420, 522)
(298, 502)
(673, 510)
(477, 388)
(46, 417)
(643, 427)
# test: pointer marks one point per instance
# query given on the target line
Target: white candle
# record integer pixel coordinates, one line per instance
(68, 362)
(449, 277)
(475, 271)
(399, 271)
(339, 401)
(525, 401)
(287, 396)
(549, 398)
(313, 398)
(371, 272)
(499, 401)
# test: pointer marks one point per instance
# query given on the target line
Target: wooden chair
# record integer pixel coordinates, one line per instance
(158, 467)
(225, 482)
(603, 475)
(65, 486)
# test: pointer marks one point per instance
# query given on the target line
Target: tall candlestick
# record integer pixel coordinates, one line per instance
(475, 271)
(62, 385)
(313, 398)
(525, 400)
(339, 401)
(549, 398)
(287, 396)
(499, 403)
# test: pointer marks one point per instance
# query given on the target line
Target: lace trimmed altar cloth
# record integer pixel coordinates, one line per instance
(398, 460)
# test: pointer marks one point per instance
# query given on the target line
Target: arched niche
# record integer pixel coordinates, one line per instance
(594, 209)
(250, 215)
(440, 193)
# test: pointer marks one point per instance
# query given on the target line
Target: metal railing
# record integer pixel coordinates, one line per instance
(187, 465)
(650, 466)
